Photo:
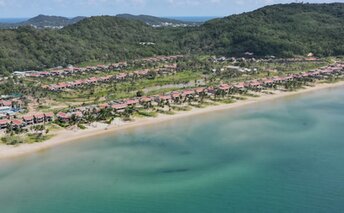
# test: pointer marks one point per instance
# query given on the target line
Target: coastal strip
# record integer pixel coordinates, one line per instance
(65, 136)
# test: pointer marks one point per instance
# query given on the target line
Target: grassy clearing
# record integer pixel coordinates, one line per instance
(227, 101)
(147, 113)
(167, 112)
(26, 138)
(112, 91)
(251, 95)
(182, 108)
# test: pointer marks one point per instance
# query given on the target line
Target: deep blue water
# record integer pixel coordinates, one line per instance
(285, 155)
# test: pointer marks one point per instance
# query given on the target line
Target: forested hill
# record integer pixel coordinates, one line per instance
(102, 38)
(43, 21)
(156, 21)
(280, 30)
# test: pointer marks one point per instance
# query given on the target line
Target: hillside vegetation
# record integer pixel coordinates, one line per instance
(43, 21)
(152, 20)
(280, 30)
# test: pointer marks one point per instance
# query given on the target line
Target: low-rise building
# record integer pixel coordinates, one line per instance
(4, 123)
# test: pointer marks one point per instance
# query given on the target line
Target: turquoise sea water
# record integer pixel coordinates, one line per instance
(286, 155)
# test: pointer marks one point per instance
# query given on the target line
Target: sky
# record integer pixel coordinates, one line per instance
(72, 8)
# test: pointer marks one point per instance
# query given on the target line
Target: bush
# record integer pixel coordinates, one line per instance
(12, 140)
(81, 126)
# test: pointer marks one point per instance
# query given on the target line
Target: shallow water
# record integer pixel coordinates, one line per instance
(282, 156)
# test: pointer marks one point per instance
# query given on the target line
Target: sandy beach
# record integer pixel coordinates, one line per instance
(97, 129)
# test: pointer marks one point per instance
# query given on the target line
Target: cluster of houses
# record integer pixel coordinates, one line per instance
(168, 69)
(27, 120)
(100, 67)
(337, 69)
(248, 57)
(6, 103)
(120, 106)
(76, 70)
(9, 107)
(159, 59)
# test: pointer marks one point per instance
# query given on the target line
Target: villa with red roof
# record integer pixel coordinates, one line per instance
(48, 116)
(4, 123)
(104, 106)
(63, 117)
(119, 107)
(39, 118)
(17, 124)
(28, 120)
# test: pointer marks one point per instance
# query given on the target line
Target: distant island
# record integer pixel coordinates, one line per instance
(44, 22)
(58, 22)
(159, 22)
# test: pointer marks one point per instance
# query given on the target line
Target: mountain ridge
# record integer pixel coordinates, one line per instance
(44, 21)
(283, 30)
(49, 21)
(157, 21)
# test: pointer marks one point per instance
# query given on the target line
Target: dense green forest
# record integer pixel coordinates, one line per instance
(280, 30)
(152, 20)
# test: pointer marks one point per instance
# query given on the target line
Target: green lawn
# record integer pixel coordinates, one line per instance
(112, 91)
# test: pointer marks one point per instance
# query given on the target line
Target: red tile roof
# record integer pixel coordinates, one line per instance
(146, 99)
(62, 115)
(132, 101)
(6, 103)
(37, 116)
(188, 92)
(175, 94)
(119, 106)
(224, 87)
(240, 85)
(2, 122)
(165, 97)
(103, 106)
(78, 114)
(49, 114)
(28, 117)
(268, 81)
(201, 89)
(17, 122)
(255, 83)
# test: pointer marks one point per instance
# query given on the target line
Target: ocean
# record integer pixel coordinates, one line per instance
(284, 155)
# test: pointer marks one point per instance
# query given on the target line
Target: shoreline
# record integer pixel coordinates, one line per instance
(7, 151)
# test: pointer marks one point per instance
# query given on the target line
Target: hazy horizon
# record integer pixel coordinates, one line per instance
(160, 8)
(199, 19)
(171, 17)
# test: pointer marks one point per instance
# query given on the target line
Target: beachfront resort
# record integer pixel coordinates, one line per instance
(118, 93)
